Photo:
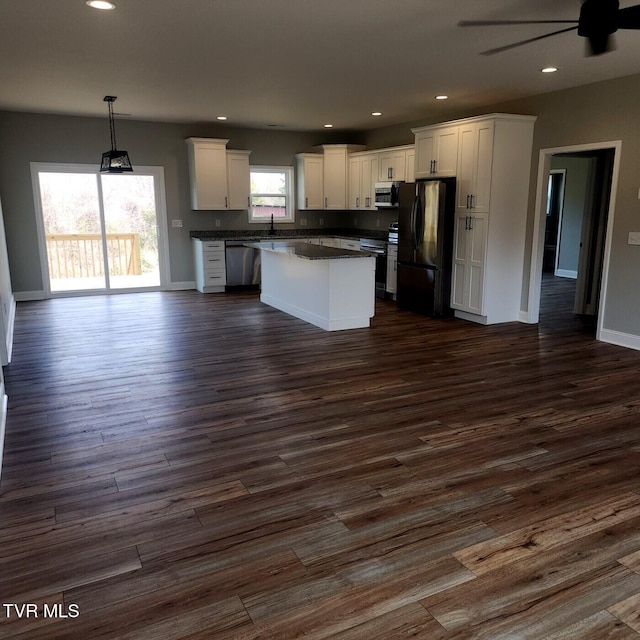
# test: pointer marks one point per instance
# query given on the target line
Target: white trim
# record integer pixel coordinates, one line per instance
(537, 241)
(11, 321)
(289, 195)
(566, 273)
(3, 421)
(157, 172)
(621, 339)
(29, 296)
(182, 286)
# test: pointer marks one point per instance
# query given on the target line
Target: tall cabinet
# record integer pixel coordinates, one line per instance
(492, 190)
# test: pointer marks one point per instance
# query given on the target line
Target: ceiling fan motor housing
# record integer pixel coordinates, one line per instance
(598, 18)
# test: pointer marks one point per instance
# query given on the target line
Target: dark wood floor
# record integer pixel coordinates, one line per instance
(183, 466)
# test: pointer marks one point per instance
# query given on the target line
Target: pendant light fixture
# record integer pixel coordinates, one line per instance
(114, 161)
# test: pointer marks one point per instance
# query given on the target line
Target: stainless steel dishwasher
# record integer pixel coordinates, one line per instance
(242, 263)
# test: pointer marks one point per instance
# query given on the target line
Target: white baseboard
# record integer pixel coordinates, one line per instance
(28, 296)
(182, 286)
(621, 339)
(565, 273)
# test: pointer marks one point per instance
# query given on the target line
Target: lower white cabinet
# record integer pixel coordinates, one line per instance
(210, 266)
(468, 269)
(352, 245)
(392, 269)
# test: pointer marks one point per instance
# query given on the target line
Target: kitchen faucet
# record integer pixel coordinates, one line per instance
(271, 229)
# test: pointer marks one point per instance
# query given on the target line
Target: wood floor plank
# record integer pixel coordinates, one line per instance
(193, 467)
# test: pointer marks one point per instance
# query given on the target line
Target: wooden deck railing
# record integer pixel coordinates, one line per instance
(79, 255)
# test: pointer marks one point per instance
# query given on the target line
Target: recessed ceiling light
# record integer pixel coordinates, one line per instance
(549, 69)
(328, 126)
(376, 113)
(221, 117)
(442, 97)
(101, 4)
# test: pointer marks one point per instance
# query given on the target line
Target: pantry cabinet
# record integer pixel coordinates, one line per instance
(493, 171)
(436, 151)
(219, 178)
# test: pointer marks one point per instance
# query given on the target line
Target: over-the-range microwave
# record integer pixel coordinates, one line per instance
(386, 194)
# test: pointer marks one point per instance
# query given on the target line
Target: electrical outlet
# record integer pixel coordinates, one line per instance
(176, 223)
(321, 221)
(634, 237)
(217, 222)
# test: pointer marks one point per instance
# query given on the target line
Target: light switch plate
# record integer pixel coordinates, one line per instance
(176, 223)
(634, 237)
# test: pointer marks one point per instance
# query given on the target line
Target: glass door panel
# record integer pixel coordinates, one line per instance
(131, 230)
(73, 232)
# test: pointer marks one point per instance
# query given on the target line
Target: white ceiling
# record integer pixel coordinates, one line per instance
(294, 63)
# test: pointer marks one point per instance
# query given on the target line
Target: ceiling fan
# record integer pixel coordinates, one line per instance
(599, 19)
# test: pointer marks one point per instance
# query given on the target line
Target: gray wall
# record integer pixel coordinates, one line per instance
(48, 138)
(575, 199)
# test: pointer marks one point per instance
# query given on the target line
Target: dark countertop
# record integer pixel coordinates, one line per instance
(282, 234)
(306, 250)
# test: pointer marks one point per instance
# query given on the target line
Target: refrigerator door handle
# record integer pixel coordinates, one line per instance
(412, 222)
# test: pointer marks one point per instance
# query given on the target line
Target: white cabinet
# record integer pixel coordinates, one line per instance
(494, 164)
(335, 176)
(352, 245)
(410, 170)
(393, 164)
(238, 180)
(219, 178)
(436, 151)
(208, 173)
(330, 242)
(475, 154)
(363, 175)
(210, 265)
(392, 269)
(467, 275)
(309, 178)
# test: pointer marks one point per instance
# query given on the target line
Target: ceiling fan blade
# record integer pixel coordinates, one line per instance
(491, 52)
(488, 23)
(628, 18)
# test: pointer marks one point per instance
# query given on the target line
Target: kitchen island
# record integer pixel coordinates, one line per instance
(331, 288)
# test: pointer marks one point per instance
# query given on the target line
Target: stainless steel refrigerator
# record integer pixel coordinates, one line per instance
(426, 216)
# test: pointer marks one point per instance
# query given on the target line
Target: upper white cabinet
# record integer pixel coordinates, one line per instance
(436, 151)
(393, 164)
(492, 191)
(309, 177)
(323, 179)
(218, 182)
(475, 154)
(238, 180)
(363, 175)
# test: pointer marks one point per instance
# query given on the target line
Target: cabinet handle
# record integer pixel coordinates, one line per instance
(466, 223)
(226, 203)
(471, 197)
(471, 219)
(325, 202)
(366, 202)
(467, 201)
(306, 203)
(249, 202)
(357, 203)
(390, 173)
(435, 166)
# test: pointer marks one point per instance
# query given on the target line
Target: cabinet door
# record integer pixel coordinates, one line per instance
(446, 151)
(355, 180)
(425, 153)
(468, 268)
(335, 178)
(368, 179)
(475, 157)
(392, 165)
(392, 269)
(208, 172)
(238, 180)
(466, 164)
(310, 169)
(410, 166)
(483, 165)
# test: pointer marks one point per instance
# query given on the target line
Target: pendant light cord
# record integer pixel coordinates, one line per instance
(112, 127)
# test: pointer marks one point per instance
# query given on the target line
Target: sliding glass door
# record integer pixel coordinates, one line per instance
(99, 232)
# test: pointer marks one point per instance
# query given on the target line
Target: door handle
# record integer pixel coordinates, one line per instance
(471, 197)
(471, 219)
(466, 223)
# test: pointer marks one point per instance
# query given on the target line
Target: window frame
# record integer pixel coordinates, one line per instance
(289, 194)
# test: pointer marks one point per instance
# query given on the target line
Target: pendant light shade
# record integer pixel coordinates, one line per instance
(114, 161)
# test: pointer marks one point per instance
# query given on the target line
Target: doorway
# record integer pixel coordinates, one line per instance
(100, 233)
(583, 240)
